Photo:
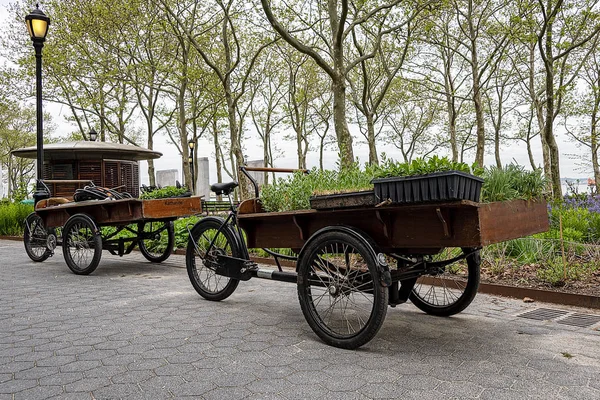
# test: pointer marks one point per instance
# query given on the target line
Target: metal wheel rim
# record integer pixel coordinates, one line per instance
(153, 246)
(81, 247)
(339, 277)
(37, 238)
(446, 288)
(204, 275)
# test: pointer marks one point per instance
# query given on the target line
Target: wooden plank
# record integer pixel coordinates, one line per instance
(103, 212)
(171, 207)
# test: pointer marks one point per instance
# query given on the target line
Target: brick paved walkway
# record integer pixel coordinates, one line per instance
(134, 329)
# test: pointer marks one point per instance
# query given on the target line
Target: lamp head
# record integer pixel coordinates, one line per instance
(37, 24)
(93, 135)
(190, 160)
(192, 144)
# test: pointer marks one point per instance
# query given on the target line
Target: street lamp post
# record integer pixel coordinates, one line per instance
(192, 144)
(37, 25)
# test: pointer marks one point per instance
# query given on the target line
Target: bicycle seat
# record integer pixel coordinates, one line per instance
(223, 188)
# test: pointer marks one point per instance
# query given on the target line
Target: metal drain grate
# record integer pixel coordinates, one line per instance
(580, 320)
(543, 314)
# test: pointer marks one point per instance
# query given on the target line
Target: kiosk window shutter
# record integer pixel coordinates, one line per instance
(91, 171)
(111, 174)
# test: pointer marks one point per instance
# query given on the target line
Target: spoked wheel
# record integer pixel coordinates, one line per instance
(37, 238)
(82, 244)
(339, 290)
(158, 238)
(450, 289)
(201, 261)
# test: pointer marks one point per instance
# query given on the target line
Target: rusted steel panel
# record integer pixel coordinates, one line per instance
(171, 207)
(502, 221)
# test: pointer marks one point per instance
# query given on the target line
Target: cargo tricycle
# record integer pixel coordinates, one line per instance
(352, 263)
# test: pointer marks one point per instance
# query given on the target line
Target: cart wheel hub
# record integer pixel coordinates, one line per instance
(334, 291)
(51, 242)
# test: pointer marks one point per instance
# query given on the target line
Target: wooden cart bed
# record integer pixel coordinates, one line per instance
(125, 211)
(417, 228)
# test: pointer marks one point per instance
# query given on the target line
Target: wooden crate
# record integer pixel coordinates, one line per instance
(171, 207)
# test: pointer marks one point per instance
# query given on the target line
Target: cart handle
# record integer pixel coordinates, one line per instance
(245, 170)
(268, 169)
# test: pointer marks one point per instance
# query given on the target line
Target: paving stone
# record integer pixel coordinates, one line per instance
(82, 366)
(117, 391)
(382, 391)
(267, 385)
(39, 392)
(105, 371)
(61, 379)
(230, 393)
(55, 361)
(16, 366)
(87, 385)
(17, 385)
(36, 373)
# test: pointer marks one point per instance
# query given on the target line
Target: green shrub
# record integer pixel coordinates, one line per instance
(167, 191)
(294, 192)
(421, 166)
(12, 218)
(512, 182)
(181, 227)
(529, 250)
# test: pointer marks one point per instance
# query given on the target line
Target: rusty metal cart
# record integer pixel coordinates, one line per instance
(352, 263)
(76, 226)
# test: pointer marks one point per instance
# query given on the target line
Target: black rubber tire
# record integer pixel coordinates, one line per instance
(201, 276)
(82, 245)
(147, 246)
(441, 300)
(35, 238)
(321, 278)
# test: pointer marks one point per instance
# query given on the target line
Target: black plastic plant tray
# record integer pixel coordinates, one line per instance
(439, 186)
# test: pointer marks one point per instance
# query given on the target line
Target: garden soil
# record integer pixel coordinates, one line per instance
(525, 276)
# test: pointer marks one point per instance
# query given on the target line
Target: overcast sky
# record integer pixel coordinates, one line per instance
(287, 150)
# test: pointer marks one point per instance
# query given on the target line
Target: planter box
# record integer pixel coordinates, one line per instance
(439, 186)
(343, 200)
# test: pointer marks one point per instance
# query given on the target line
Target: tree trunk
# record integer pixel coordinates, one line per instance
(236, 148)
(539, 112)
(594, 144)
(451, 106)
(548, 131)
(477, 101)
(151, 174)
(497, 136)
(217, 149)
(342, 132)
(182, 126)
(373, 158)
